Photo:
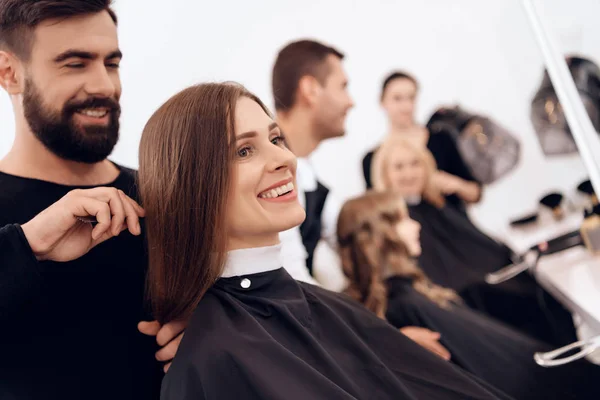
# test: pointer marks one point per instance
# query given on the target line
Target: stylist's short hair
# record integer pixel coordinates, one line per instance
(298, 59)
(19, 18)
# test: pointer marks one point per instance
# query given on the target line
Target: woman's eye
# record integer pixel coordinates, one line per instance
(243, 152)
(279, 140)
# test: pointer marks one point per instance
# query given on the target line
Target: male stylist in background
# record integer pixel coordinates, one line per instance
(71, 293)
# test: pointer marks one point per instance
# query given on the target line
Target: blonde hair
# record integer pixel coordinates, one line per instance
(381, 166)
(369, 242)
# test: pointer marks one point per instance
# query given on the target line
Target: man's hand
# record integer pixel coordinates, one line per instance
(59, 234)
(427, 339)
(168, 337)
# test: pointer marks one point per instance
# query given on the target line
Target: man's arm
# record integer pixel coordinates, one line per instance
(20, 277)
(57, 234)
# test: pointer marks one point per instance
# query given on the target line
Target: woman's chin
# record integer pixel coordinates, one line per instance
(407, 189)
(291, 219)
(413, 190)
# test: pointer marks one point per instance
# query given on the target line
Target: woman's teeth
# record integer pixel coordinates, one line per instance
(94, 112)
(278, 191)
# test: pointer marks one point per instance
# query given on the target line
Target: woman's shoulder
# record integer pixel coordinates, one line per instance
(342, 306)
(207, 330)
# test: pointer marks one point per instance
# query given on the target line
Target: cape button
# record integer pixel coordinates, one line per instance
(245, 283)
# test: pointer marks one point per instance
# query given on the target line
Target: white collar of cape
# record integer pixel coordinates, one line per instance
(252, 261)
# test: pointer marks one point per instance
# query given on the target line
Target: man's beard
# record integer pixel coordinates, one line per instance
(59, 133)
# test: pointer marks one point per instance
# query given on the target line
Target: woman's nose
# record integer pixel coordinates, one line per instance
(281, 158)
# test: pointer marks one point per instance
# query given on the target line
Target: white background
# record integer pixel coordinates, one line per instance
(480, 53)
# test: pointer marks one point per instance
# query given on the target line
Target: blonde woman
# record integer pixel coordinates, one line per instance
(398, 99)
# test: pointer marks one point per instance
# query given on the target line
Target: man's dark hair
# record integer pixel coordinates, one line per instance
(18, 19)
(298, 59)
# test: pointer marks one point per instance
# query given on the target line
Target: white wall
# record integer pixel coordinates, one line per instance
(479, 53)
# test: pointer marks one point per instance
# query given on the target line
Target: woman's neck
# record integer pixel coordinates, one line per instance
(412, 129)
(254, 241)
(399, 129)
(413, 133)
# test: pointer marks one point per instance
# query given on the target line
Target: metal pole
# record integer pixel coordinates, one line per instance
(584, 133)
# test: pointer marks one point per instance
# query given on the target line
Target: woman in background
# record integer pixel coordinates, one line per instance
(456, 254)
(218, 186)
(378, 240)
(398, 99)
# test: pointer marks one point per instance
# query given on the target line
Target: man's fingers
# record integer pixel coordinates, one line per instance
(168, 352)
(149, 328)
(112, 197)
(166, 367)
(107, 235)
(86, 206)
(140, 211)
(131, 216)
(105, 193)
(170, 331)
(117, 209)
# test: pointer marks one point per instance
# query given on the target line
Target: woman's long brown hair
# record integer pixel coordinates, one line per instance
(186, 155)
(381, 165)
(369, 246)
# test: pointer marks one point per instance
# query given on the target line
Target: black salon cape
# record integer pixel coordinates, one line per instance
(69, 330)
(491, 350)
(447, 158)
(457, 255)
(282, 339)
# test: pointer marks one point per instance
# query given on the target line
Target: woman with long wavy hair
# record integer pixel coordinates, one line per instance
(218, 184)
(378, 242)
(458, 255)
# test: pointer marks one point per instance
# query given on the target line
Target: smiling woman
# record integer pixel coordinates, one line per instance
(263, 200)
(218, 185)
(195, 159)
